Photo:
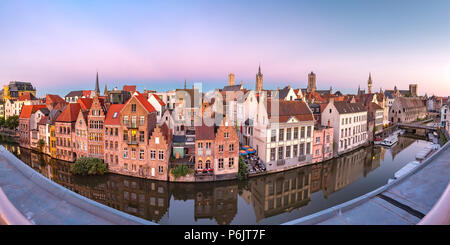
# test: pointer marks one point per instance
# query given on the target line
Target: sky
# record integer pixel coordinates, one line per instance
(60, 45)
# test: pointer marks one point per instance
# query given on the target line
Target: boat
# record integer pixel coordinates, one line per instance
(389, 141)
(377, 141)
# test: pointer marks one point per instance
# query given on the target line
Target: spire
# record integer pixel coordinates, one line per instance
(259, 69)
(97, 89)
(184, 83)
(106, 90)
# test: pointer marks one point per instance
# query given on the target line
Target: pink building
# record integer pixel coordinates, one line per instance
(322, 143)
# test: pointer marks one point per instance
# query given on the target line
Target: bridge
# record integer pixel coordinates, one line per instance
(27, 198)
(416, 126)
(419, 197)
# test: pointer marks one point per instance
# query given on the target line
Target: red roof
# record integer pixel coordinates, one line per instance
(144, 102)
(111, 117)
(27, 110)
(43, 120)
(53, 98)
(159, 100)
(85, 103)
(26, 96)
(87, 93)
(129, 88)
(70, 113)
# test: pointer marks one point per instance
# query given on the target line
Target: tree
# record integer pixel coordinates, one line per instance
(89, 166)
(41, 144)
(12, 122)
(243, 169)
(2, 122)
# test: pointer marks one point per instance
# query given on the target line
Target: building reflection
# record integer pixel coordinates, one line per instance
(403, 142)
(279, 193)
(214, 201)
(268, 195)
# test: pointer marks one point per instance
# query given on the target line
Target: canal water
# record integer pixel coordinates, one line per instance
(270, 199)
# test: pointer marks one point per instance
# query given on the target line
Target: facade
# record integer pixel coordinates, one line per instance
(160, 149)
(16, 89)
(158, 104)
(204, 150)
(95, 130)
(112, 137)
(445, 117)
(283, 134)
(25, 123)
(65, 132)
(322, 144)
(406, 109)
(349, 121)
(137, 121)
(226, 151)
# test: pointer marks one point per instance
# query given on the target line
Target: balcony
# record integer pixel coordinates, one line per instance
(132, 125)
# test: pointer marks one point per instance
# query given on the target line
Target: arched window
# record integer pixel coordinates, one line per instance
(208, 164)
(200, 164)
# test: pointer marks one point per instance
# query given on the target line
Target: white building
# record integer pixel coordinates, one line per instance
(283, 133)
(349, 121)
(158, 104)
(445, 116)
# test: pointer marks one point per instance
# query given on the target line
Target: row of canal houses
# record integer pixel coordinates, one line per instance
(146, 134)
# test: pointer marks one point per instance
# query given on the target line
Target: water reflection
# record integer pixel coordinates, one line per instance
(267, 196)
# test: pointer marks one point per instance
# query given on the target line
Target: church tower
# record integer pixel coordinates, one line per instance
(370, 84)
(259, 81)
(311, 82)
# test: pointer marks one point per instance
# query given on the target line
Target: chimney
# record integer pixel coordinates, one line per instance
(328, 122)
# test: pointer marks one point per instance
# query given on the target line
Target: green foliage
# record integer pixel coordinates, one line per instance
(375, 128)
(41, 144)
(444, 140)
(180, 170)
(89, 166)
(243, 169)
(12, 122)
(2, 122)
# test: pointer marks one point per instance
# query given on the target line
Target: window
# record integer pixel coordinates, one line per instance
(328, 138)
(125, 120)
(200, 145)
(152, 154)
(273, 136)
(317, 140)
(125, 152)
(230, 162)
(288, 134)
(288, 151)
(160, 169)
(295, 133)
(125, 135)
(208, 145)
(141, 154)
(161, 155)
(308, 134)
(141, 120)
(200, 164)
(280, 152)
(133, 153)
(302, 132)
(317, 152)
(133, 122)
(226, 135)
(308, 148)
(281, 135)
(220, 163)
(231, 147)
(133, 107)
(220, 148)
(295, 150)
(116, 145)
(302, 149)
(141, 136)
(272, 154)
